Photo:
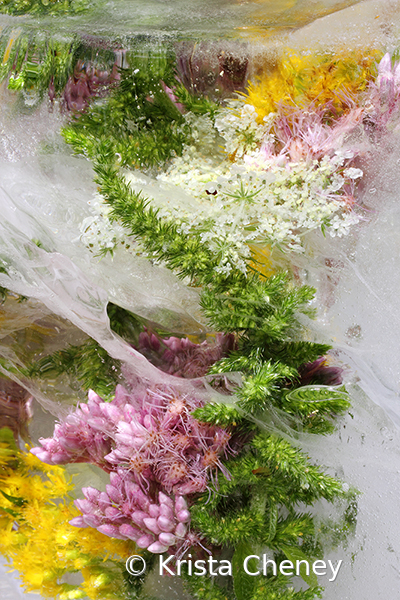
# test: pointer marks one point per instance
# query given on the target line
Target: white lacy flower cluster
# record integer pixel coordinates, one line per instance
(98, 233)
(237, 124)
(258, 198)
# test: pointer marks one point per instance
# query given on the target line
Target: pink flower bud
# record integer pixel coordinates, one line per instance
(148, 422)
(157, 548)
(183, 516)
(154, 510)
(110, 412)
(42, 455)
(141, 499)
(152, 525)
(166, 511)
(98, 423)
(180, 530)
(168, 539)
(70, 444)
(114, 494)
(93, 397)
(111, 531)
(145, 540)
(164, 499)
(91, 494)
(138, 517)
(396, 74)
(104, 501)
(130, 532)
(84, 505)
(136, 442)
(180, 504)
(124, 429)
(131, 488)
(113, 513)
(78, 522)
(165, 524)
(115, 479)
(121, 395)
(92, 520)
(123, 438)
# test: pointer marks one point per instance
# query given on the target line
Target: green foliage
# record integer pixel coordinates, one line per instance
(141, 121)
(198, 105)
(33, 63)
(205, 588)
(262, 311)
(273, 471)
(134, 584)
(275, 588)
(223, 415)
(260, 588)
(42, 7)
(291, 466)
(316, 406)
(243, 584)
(256, 508)
(124, 323)
(160, 239)
(259, 389)
(88, 363)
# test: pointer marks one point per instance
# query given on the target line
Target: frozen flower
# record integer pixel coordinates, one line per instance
(319, 372)
(80, 437)
(275, 186)
(381, 105)
(182, 357)
(86, 82)
(125, 512)
(150, 433)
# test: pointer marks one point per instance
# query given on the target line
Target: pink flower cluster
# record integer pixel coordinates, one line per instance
(152, 447)
(315, 133)
(84, 436)
(181, 357)
(152, 435)
(125, 511)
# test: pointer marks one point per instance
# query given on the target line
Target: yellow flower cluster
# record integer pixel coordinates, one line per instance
(36, 536)
(301, 80)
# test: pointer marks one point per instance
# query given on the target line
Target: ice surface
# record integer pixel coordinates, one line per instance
(45, 200)
(359, 288)
(23, 129)
(365, 452)
(358, 283)
(206, 19)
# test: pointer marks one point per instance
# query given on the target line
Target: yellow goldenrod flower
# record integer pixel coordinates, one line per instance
(39, 542)
(302, 80)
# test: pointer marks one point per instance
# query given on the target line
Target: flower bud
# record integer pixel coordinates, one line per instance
(165, 524)
(154, 510)
(145, 540)
(152, 525)
(167, 539)
(157, 548)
